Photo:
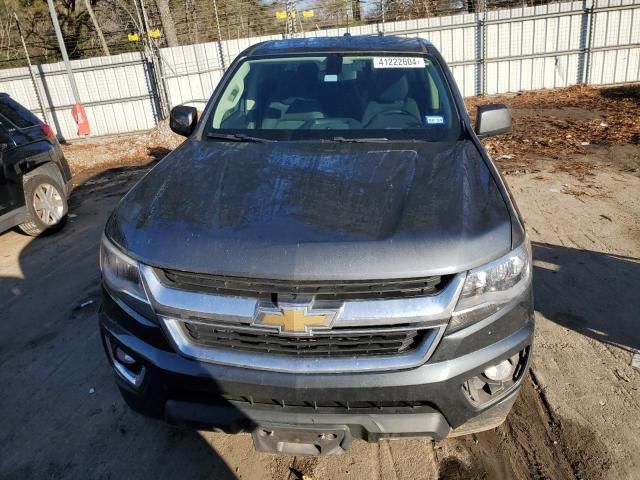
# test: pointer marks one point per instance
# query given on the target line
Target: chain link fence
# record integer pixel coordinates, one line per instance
(97, 27)
(166, 52)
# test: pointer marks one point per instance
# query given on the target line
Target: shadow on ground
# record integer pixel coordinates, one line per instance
(61, 393)
(595, 294)
(67, 418)
(621, 91)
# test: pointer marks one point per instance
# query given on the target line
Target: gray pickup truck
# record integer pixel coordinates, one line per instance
(330, 255)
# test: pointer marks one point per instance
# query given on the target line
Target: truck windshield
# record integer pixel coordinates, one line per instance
(337, 96)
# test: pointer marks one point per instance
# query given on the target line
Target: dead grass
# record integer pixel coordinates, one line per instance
(92, 155)
(558, 125)
(561, 124)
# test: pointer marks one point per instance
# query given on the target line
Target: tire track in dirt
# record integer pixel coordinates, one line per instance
(534, 443)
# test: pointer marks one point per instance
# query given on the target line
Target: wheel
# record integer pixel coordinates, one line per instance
(46, 205)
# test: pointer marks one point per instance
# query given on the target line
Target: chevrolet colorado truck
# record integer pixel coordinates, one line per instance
(330, 255)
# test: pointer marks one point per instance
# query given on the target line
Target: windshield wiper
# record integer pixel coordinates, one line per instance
(359, 140)
(237, 137)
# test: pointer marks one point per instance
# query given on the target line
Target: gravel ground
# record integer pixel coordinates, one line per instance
(578, 415)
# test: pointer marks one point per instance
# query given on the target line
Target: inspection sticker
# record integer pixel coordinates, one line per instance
(398, 62)
(434, 119)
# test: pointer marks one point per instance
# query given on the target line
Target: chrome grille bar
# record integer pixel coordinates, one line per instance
(429, 314)
(306, 365)
(174, 303)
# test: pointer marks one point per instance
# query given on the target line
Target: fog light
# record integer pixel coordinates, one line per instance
(496, 380)
(125, 365)
(500, 372)
(124, 357)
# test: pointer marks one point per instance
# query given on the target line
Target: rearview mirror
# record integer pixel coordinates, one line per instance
(183, 120)
(492, 120)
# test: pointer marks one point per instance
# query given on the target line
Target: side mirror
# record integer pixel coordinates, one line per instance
(183, 120)
(493, 120)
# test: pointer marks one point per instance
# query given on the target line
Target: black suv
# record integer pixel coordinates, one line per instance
(35, 180)
(330, 255)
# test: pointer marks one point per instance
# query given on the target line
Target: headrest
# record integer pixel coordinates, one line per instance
(393, 86)
(308, 72)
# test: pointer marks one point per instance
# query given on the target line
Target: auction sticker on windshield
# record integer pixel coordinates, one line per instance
(398, 62)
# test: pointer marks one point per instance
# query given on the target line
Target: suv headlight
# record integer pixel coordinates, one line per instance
(121, 277)
(488, 288)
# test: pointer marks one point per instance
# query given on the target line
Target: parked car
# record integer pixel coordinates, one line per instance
(35, 180)
(330, 255)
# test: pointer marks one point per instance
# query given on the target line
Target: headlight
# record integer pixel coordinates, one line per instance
(488, 288)
(121, 275)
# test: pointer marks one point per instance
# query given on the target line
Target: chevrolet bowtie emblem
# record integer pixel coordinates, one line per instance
(294, 319)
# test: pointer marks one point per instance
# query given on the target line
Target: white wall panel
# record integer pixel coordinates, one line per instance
(114, 90)
(524, 48)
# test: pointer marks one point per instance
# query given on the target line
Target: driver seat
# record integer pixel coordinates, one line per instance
(392, 97)
(294, 99)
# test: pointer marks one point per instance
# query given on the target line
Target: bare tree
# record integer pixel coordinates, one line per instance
(96, 26)
(168, 25)
(355, 7)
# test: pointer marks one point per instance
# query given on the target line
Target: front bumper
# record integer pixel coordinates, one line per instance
(68, 188)
(425, 401)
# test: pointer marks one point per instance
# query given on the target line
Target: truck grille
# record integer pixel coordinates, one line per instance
(321, 290)
(351, 343)
(378, 325)
(297, 405)
(391, 406)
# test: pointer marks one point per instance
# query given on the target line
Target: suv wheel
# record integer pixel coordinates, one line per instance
(46, 205)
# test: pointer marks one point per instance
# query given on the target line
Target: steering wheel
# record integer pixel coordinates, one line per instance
(415, 121)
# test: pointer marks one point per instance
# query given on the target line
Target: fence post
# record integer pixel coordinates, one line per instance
(160, 87)
(586, 42)
(589, 53)
(220, 52)
(154, 62)
(480, 53)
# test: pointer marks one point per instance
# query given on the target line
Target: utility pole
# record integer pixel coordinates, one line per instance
(355, 10)
(63, 50)
(298, 18)
(292, 9)
(45, 114)
(141, 23)
(222, 62)
(79, 115)
(145, 24)
(153, 52)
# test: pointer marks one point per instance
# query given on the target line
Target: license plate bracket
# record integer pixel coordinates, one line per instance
(301, 439)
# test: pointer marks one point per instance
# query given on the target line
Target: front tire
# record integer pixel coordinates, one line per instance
(46, 205)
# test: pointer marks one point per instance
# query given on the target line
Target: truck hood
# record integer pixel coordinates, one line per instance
(315, 211)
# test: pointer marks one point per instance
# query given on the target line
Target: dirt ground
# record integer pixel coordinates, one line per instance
(578, 415)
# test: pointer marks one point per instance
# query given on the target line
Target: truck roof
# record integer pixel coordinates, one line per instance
(348, 43)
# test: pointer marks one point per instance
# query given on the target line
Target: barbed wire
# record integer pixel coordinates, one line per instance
(126, 24)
